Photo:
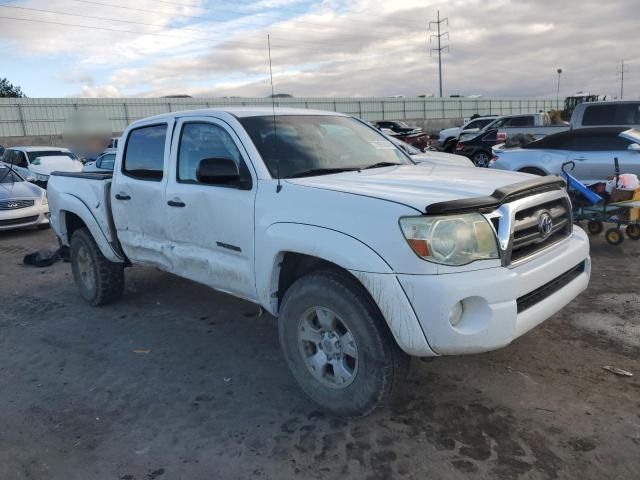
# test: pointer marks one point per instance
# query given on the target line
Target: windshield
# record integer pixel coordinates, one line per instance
(49, 153)
(8, 176)
(309, 143)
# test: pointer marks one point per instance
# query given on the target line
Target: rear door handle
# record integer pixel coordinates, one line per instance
(580, 159)
(121, 196)
(173, 203)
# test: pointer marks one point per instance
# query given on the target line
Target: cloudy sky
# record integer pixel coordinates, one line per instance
(498, 48)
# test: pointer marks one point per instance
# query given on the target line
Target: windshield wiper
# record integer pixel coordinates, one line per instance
(322, 171)
(381, 164)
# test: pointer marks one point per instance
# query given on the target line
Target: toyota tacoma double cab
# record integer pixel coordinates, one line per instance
(364, 257)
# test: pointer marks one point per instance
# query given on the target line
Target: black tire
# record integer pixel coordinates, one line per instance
(533, 171)
(633, 231)
(595, 227)
(100, 281)
(379, 363)
(614, 236)
(481, 159)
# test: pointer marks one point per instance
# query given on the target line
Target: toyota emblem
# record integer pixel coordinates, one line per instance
(545, 224)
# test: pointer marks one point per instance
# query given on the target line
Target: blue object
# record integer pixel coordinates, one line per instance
(576, 185)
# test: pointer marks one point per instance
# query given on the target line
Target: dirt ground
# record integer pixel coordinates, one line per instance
(177, 381)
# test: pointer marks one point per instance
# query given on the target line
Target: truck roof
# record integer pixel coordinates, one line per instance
(241, 112)
(37, 149)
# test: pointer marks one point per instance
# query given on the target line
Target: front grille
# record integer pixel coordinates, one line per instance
(548, 289)
(18, 221)
(528, 237)
(15, 204)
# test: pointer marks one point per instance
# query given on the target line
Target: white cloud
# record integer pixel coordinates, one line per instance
(499, 48)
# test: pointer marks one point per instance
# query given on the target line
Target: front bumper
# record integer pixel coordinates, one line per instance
(24, 217)
(499, 304)
(492, 315)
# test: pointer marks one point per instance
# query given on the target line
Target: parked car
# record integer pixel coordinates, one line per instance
(103, 163)
(478, 148)
(397, 127)
(624, 113)
(433, 157)
(363, 256)
(591, 149)
(36, 163)
(448, 137)
(22, 204)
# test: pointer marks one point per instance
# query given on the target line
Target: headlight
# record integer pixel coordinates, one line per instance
(44, 200)
(451, 239)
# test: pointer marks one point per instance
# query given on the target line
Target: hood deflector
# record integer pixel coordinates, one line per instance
(498, 197)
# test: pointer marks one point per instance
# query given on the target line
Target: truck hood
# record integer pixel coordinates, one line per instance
(416, 185)
(60, 163)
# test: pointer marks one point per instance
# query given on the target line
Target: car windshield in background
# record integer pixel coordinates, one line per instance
(305, 145)
(49, 153)
(9, 176)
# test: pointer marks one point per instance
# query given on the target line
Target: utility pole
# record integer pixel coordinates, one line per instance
(440, 48)
(621, 71)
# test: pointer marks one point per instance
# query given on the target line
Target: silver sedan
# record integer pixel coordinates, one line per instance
(22, 204)
(591, 150)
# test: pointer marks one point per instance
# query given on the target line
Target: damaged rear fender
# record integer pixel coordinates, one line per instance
(68, 204)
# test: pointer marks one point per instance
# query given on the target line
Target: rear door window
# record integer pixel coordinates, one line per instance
(614, 114)
(144, 153)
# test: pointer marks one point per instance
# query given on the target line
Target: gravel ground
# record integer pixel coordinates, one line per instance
(177, 381)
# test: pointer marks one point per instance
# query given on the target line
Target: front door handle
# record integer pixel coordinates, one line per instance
(580, 159)
(173, 203)
(122, 196)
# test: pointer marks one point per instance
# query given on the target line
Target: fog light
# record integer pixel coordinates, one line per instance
(455, 315)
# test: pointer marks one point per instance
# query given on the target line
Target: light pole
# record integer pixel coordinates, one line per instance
(558, 90)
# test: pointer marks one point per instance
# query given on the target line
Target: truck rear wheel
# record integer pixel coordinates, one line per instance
(337, 345)
(100, 281)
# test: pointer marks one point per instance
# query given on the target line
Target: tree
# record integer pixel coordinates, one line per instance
(7, 89)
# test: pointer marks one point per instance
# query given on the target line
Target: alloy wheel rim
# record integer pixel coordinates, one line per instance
(327, 347)
(85, 268)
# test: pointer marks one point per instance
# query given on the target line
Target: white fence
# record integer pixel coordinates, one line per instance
(47, 116)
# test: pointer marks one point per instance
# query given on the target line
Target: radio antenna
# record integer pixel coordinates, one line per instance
(273, 109)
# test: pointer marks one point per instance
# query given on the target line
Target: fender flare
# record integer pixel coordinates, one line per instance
(67, 203)
(366, 265)
(320, 242)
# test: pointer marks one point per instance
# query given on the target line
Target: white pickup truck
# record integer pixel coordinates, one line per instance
(363, 256)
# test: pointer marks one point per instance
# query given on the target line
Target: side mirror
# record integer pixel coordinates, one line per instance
(634, 147)
(216, 171)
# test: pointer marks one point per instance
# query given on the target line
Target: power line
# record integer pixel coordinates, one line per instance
(289, 9)
(440, 48)
(95, 17)
(324, 27)
(224, 43)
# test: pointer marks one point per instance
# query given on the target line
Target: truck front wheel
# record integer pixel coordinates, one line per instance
(337, 345)
(100, 281)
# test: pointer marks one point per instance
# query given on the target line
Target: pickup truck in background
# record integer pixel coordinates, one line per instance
(536, 125)
(364, 257)
(622, 113)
